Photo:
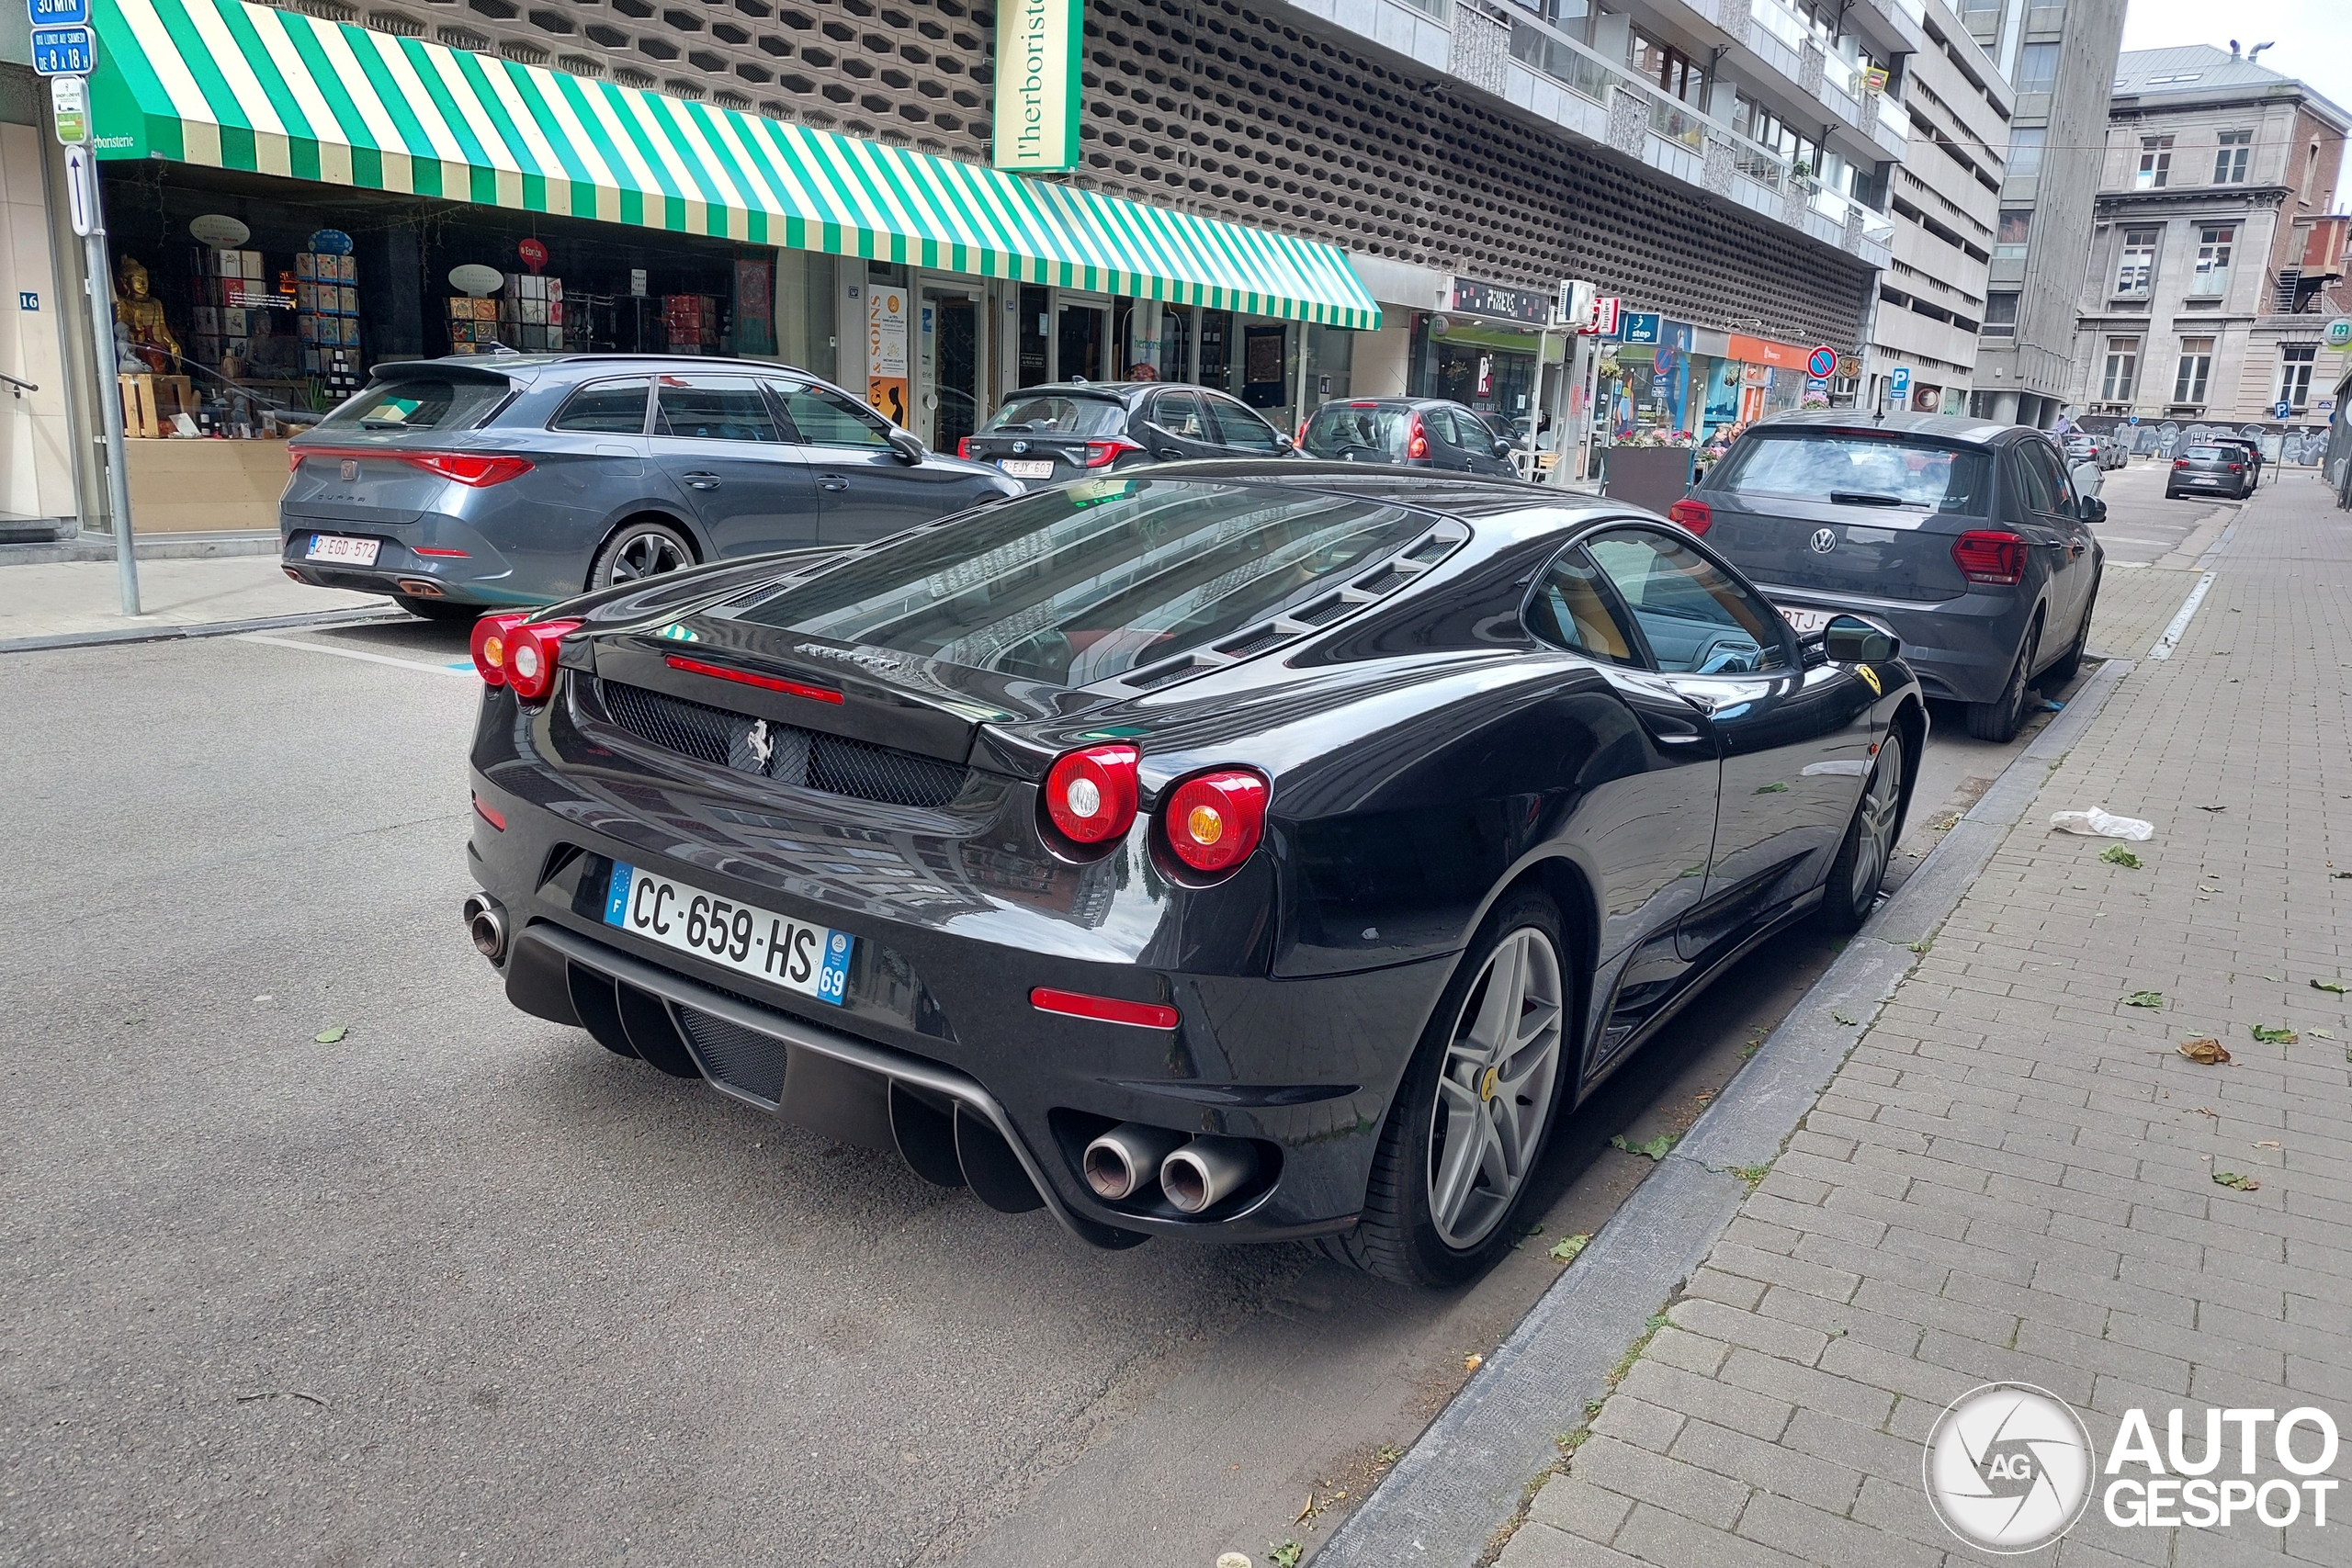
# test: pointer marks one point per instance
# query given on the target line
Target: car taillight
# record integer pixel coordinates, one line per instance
(1989, 555)
(1103, 453)
(1214, 820)
(964, 447)
(2180, 462)
(531, 655)
(1417, 439)
(1695, 516)
(492, 635)
(1090, 793)
(466, 467)
(2237, 467)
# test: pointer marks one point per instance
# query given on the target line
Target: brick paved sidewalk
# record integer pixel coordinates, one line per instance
(2014, 1175)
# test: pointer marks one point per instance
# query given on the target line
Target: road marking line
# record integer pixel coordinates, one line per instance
(2180, 622)
(464, 671)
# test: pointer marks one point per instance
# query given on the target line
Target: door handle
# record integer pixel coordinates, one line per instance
(1169, 454)
(700, 480)
(831, 481)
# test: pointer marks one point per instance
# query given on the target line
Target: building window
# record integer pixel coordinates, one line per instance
(2001, 315)
(2156, 162)
(2137, 270)
(2311, 170)
(1671, 69)
(2017, 223)
(2214, 242)
(2025, 150)
(2037, 68)
(2196, 364)
(2295, 375)
(2122, 370)
(2229, 161)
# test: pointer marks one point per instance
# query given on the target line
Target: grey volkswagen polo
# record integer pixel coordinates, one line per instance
(456, 485)
(1965, 536)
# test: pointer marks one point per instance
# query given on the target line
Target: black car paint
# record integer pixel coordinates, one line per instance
(1304, 980)
(1146, 420)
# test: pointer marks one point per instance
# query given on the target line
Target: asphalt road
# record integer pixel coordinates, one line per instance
(458, 1285)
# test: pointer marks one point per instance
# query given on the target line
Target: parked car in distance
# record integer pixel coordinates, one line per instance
(2251, 450)
(1418, 433)
(1235, 851)
(464, 483)
(2210, 467)
(1968, 539)
(1043, 435)
(2090, 446)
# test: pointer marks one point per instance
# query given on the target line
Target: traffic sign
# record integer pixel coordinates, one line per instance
(1846, 368)
(2283, 410)
(78, 207)
(1821, 363)
(58, 13)
(69, 109)
(64, 51)
(1899, 382)
(1641, 326)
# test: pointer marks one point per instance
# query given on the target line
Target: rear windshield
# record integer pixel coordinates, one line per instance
(2212, 454)
(1346, 429)
(420, 402)
(1856, 469)
(1062, 416)
(1086, 582)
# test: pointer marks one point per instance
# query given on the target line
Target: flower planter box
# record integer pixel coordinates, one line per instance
(1651, 476)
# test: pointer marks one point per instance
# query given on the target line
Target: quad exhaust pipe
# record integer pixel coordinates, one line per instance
(1126, 1161)
(486, 924)
(1194, 1173)
(1206, 1171)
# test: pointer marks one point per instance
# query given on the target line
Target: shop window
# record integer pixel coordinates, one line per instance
(714, 408)
(603, 408)
(823, 417)
(2230, 157)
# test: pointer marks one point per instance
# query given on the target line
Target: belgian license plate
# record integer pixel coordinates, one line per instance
(1028, 468)
(337, 547)
(745, 938)
(1804, 622)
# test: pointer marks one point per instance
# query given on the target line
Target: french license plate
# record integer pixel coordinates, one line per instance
(794, 954)
(336, 547)
(1028, 468)
(1804, 622)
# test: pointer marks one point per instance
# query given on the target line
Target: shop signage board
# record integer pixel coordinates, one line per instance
(1849, 367)
(69, 109)
(1497, 302)
(64, 51)
(2339, 333)
(1037, 46)
(886, 352)
(1606, 313)
(1822, 363)
(1640, 326)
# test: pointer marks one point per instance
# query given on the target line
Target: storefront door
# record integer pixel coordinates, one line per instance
(950, 328)
(1081, 341)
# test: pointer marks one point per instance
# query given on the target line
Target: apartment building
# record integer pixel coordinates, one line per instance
(2058, 58)
(2219, 255)
(1945, 203)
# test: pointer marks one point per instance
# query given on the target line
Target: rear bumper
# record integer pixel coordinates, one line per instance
(1962, 648)
(481, 575)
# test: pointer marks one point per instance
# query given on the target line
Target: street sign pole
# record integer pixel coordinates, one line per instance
(95, 261)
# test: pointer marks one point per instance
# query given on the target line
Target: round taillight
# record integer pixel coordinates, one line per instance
(1215, 820)
(492, 635)
(1090, 793)
(531, 656)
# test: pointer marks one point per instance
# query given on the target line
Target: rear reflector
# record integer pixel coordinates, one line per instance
(435, 550)
(494, 819)
(1104, 1010)
(744, 677)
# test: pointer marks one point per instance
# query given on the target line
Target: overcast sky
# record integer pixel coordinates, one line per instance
(2311, 38)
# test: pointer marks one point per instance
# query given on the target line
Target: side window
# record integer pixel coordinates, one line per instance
(603, 408)
(826, 418)
(1178, 413)
(2054, 475)
(2037, 482)
(1238, 428)
(713, 408)
(1441, 422)
(1569, 609)
(1696, 620)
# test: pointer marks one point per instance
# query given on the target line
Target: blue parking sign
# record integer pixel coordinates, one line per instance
(58, 13)
(1899, 381)
(64, 51)
(2284, 411)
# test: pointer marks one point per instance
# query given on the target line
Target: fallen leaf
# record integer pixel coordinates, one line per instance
(2271, 1036)
(2202, 888)
(2231, 1179)
(2209, 1111)
(1232, 1560)
(1472, 1363)
(2213, 809)
(2340, 876)
(2336, 985)
(2117, 854)
(2144, 999)
(1657, 1148)
(1565, 1250)
(330, 1036)
(1848, 1022)
(2205, 1053)
(2322, 1035)
(1778, 787)
(2268, 1144)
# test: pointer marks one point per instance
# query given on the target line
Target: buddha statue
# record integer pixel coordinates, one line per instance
(136, 307)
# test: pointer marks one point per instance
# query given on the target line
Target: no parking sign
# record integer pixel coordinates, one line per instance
(1821, 363)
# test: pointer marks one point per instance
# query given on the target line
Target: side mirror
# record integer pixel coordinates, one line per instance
(908, 445)
(2094, 509)
(1282, 442)
(1849, 640)
(1502, 447)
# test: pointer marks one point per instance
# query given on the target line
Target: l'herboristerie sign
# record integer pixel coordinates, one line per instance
(1037, 46)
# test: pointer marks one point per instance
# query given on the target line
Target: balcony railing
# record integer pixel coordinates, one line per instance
(1779, 20)
(1562, 60)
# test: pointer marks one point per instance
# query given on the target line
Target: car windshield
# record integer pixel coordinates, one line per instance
(1357, 431)
(1860, 467)
(2210, 454)
(1085, 582)
(419, 402)
(1054, 414)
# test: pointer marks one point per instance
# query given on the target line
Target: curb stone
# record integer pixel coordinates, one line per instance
(1466, 1476)
(313, 619)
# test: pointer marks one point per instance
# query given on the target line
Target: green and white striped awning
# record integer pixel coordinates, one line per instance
(242, 86)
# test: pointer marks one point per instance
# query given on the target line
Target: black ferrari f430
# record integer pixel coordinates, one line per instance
(1230, 851)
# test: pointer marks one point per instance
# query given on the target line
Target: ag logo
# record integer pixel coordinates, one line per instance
(2008, 1468)
(1823, 541)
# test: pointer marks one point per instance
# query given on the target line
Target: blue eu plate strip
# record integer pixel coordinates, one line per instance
(616, 896)
(834, 981)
